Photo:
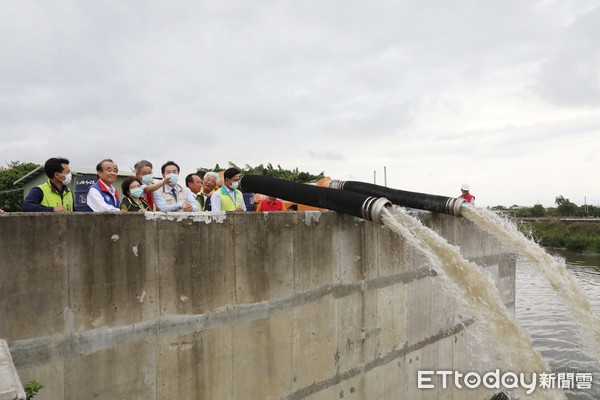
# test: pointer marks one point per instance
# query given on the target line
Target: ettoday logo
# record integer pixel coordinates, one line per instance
(507, 380)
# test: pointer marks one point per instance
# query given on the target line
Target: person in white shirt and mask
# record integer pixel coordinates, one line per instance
(228, 197)
(172, 196)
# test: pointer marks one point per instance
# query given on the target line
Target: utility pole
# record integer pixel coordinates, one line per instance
(374, 177)
(384, 176)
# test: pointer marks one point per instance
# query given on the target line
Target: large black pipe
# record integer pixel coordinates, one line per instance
(357, 204)
(422, 201)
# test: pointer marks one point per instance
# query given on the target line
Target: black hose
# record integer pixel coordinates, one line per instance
(422, 201)
(359, 205)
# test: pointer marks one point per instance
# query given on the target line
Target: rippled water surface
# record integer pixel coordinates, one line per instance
(553, 330)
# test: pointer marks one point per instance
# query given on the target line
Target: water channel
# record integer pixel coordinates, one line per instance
(553, 329)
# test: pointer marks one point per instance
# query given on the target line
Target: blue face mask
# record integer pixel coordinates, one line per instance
(174, 178)
(147, 179)
(136, 192)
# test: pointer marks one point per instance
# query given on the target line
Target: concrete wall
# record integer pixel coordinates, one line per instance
(294, 305)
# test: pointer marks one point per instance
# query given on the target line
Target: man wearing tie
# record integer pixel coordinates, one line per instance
(173, 197)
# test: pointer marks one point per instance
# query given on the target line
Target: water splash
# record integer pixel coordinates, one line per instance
(553, 269)
(502, 331)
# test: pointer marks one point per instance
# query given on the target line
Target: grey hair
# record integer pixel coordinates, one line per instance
(141, 164)
(214, 175)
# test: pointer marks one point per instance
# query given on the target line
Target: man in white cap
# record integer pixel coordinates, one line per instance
(466, 195)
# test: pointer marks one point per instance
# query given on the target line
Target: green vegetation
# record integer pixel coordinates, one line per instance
(291, 175)
(579, 236)
(11, 197)
(32, 388)
(564, 208)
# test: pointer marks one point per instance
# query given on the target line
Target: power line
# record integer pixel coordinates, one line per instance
(13, 190)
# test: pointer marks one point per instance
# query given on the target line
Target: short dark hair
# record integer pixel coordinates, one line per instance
(128, 181)
(99, 166)
(201, 173)
(165, 165)
(54, 165)
(189, 179)
(230, 173)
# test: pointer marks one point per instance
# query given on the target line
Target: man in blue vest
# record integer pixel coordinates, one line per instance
(228, 197)
(52, 195)
(102, 196)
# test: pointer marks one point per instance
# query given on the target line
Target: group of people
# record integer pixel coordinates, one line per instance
(140, 192)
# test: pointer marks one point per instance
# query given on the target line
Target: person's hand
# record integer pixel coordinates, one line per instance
(239, 209)
(142, 210)
(166, 181)
(187, 207)
(59, 208)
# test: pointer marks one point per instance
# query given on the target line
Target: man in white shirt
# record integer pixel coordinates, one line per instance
(173, 197)
(102, 196)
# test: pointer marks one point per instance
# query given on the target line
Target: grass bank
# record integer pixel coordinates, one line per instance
(579, 236)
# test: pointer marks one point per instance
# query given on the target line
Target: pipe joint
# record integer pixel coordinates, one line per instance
(335, 184)
(372, 208)
(453, 206)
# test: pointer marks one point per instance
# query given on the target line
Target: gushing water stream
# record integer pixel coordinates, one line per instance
(552, 269)
(501, 330)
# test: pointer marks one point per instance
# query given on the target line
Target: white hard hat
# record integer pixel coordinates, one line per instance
(465, 186)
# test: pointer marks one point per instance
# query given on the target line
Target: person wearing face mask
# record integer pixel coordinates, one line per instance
(132, 190)
(228, 197)
(172, 196)
(53, 195)
(143, 171)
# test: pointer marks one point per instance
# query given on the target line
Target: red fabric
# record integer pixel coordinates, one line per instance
(149, 197)
(266, 205)
(468, 197)
(107, 190)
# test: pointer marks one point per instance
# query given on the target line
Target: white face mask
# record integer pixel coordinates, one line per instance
(67, 179)
(147, 179)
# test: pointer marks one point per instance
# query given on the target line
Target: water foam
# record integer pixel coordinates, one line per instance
(502, 331)
(553, 269)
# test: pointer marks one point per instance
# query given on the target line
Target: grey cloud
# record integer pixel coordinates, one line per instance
(260, 64)
(203, 82)
(326, 155)
(571, 75)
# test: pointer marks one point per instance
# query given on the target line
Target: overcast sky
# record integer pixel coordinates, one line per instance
(504, 95)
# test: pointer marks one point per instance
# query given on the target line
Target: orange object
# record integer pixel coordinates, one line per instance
(324, 182)
(290, 205)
